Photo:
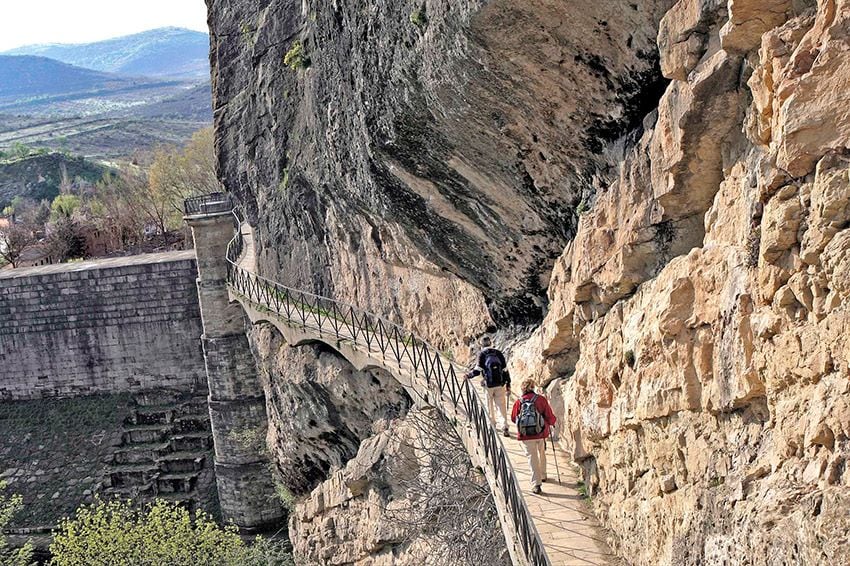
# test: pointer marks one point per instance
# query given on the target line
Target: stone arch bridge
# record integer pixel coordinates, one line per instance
(557, 528)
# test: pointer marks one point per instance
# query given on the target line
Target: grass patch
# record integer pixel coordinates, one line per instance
(585, 492)
(250, 439)
(582, 207)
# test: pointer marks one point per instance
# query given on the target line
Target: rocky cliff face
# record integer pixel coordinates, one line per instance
(708, 401)
(438, 150)
(398, 502)
(664, 185)
(320, 409)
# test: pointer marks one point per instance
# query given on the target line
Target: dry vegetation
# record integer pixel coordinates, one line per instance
(136, 208)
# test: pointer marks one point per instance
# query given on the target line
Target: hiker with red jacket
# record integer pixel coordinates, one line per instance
(533, 417)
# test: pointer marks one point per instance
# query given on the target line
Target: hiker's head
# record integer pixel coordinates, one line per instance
(528, 386)
(486, 342)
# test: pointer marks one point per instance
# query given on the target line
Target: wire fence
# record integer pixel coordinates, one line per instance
(345, 322)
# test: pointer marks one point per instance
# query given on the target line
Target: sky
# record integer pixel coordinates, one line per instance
(25, 22)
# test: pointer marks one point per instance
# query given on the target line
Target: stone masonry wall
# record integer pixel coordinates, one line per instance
(106, 326)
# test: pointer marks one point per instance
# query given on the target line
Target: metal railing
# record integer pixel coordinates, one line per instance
(213, 203)
(345, 322)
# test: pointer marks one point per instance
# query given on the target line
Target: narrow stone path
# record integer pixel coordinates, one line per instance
(563, 518)
(569, 530)
(248, 259)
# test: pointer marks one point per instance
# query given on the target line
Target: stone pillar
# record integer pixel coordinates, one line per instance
(236, 401)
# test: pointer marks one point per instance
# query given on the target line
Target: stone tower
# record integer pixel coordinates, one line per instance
(236, 401)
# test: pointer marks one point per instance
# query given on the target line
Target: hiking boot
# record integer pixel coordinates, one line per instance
(507, 432)
(544, 480)
(537, 490)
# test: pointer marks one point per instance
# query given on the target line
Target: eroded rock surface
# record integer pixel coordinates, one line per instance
(320, 408)
(410, 496)
(703, 372)
(435, 150)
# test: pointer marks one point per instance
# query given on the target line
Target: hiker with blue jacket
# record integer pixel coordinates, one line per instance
(533, 416)
(492, 365)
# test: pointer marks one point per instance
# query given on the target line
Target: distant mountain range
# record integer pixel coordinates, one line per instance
(29, 78)
(106, 99)
(162, 53)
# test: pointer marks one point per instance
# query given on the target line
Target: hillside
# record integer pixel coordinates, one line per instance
(38, 85)
(164, 52)
(30, 77)
(47, 103)
(39, 176)
(105, 136)
(191, 104)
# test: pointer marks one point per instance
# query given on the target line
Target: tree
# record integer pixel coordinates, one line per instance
(116, 532)
(64, 206)
(65, 239)
(14, 239)
(32, 213)
(447, 500)
(9, 505)
(176, 174)
(111, 212)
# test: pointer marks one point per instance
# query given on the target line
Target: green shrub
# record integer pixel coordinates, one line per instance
(8, 556)
(419, 18)
(582, 207)
(64, 206)
(116, 532)
(296, 58)
(286, 497)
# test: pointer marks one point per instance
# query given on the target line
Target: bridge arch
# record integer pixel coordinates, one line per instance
(360, 359)
(320, 408)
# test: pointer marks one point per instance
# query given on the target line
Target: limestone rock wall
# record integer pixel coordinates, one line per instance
(698, 329)
(320, 409)
(397, 503)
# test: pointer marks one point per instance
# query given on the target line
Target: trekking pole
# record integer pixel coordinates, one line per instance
(554, 452)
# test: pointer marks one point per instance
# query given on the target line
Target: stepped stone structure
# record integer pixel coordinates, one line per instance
(237, 404)
(165, 451)
(102, 387)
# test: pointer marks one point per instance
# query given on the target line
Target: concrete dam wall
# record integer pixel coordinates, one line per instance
(121, 325)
